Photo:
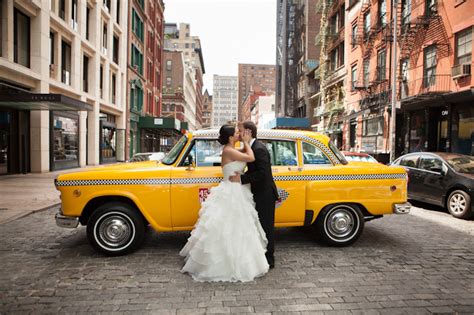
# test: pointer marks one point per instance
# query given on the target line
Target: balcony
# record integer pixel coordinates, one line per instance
(320, 5)
(318, 111)
(425, 88)
(334, 106)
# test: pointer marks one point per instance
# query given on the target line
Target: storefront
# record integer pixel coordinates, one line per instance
(22, 116)
(159, 134)
(445, 124)
(108, 139)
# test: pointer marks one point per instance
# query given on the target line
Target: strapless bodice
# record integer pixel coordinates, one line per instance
(232, 168)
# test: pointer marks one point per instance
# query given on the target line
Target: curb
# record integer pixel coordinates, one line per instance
(28, 212)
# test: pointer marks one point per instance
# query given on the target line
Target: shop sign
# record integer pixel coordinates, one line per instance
(158, 121)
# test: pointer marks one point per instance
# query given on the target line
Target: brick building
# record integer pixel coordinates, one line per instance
(145, 48)
(434, 85)
(206, 110)
(254, 77)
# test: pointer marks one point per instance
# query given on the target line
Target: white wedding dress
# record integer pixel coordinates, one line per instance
(228, 242)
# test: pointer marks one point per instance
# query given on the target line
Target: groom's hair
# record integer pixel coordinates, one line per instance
(250, 125)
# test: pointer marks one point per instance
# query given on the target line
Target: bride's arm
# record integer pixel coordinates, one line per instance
(245, 156)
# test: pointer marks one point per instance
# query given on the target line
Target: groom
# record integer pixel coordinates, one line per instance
(259, 176)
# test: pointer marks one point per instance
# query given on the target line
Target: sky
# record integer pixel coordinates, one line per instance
(231, 32)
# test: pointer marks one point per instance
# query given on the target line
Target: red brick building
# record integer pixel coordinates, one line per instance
(254, 77)
(434, 82)
(145, 49)
(249, 103)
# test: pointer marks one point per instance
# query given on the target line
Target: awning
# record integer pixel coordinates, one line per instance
(288, 123)
(35, 101)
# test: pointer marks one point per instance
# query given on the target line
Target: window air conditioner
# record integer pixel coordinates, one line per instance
(461, 70)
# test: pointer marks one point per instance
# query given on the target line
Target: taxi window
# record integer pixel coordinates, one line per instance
(313, 155)
(281, 152)
(204, 152)
(429, 162)
(409, 161)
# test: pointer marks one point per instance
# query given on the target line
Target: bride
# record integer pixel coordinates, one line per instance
(228, 242)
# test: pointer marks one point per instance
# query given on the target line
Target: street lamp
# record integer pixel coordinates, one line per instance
(393, 116)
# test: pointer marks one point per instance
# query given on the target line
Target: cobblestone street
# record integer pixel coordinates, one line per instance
(401, 264)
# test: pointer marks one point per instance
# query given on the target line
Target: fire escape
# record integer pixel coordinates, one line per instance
(332, 95)
(373, 29)
(412, 35)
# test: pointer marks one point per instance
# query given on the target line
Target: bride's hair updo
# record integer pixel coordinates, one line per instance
(225, 133)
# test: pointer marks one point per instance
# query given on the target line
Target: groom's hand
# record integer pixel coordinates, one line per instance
(235, 178)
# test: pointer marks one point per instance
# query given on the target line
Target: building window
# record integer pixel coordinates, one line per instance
(107, 4)
(381, 65)
(74, 14)
(168, 81)
(117, 12)
(104, 37)
(464, 46)
(101, 81)
(51, 49)
(66, 63)
(137, 59)
(354, 35)
(406, 12)
(115, 50)
(334, 56)
(137, 25)
(141, 3)
(366, 72)
(136, 98)
(382, 18)
(21, 39)
(366, 24)
(62, 9)
(353, 77)
(150, 72)
(65, 137)
(431, 7)
(113, 87)
(88, 21)
(168, 65)
(429, 66)
(85, 74)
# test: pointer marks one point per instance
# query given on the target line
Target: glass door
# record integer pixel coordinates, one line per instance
(4, 141)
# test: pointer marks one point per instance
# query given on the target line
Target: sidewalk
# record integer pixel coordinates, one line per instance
(22, 194)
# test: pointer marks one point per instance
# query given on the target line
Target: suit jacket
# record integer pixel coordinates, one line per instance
(259, 174)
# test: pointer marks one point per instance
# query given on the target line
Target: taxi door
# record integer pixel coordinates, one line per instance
(191, 179)
(290, 208)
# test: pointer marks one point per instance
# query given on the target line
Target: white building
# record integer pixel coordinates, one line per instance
(62, 83)
(224, 102)
(264, 110)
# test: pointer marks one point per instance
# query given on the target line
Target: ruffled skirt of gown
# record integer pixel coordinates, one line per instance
(228, 242)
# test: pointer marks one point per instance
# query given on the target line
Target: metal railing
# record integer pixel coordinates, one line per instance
(433, 84)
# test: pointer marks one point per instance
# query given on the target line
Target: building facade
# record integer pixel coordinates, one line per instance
(298, 23)
(178, 38)
(206, 110)
(254, 77)
(62, 82)
(145, 48)
(263, 111)
(433, 80)
(224, 100)
(249, 104)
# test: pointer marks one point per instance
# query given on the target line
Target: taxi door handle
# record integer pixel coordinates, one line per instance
(299, 169)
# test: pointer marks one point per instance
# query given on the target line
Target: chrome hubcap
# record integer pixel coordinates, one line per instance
(115, 231)
(340, 223)
(457, 203)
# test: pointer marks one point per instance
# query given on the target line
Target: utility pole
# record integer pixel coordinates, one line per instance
(393, 117)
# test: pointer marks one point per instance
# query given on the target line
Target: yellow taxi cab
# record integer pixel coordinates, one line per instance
(317, 187)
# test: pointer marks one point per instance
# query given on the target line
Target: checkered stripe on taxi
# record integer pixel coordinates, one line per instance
(338, 177)
(211, 180)
(98, 182)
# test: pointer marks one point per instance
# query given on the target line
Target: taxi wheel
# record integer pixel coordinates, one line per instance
(340, 225)
(459, 204)
(115, 229)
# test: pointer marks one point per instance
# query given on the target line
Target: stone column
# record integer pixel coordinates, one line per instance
(39, 120)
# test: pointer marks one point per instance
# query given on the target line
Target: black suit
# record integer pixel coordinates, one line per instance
(259, 175)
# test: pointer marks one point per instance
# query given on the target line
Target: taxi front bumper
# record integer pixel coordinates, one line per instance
(65, 221)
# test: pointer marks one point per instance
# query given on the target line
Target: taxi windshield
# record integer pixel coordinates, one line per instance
(171, 157)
